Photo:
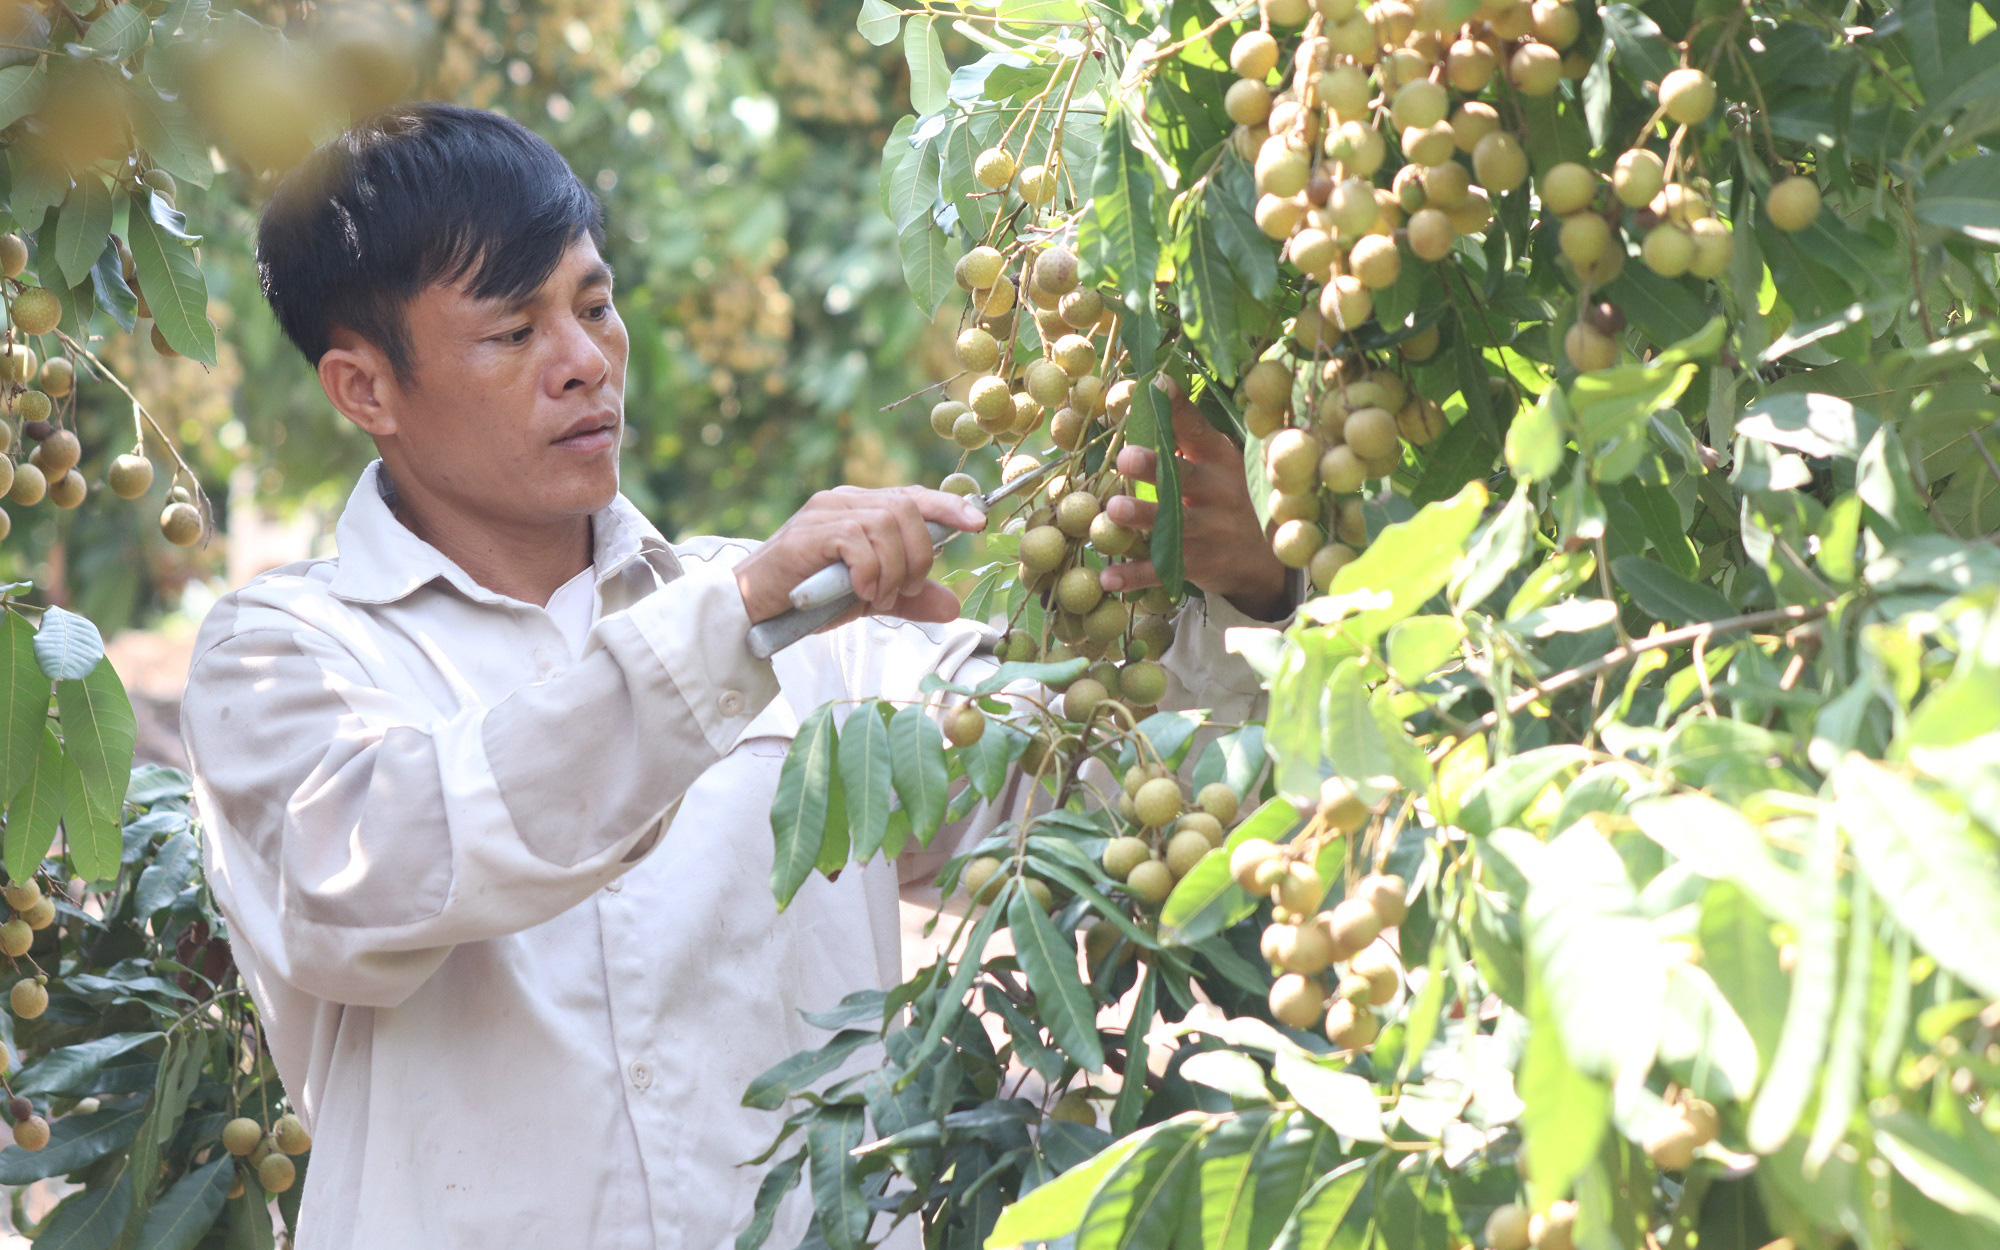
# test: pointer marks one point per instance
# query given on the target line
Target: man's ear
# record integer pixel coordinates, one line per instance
(359, 381)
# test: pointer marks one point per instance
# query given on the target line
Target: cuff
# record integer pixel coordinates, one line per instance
(1201, 657)
(698, 628)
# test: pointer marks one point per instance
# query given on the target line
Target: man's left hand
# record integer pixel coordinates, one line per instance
(1224, 548)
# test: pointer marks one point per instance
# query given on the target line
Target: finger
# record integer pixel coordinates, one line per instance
(1196, 439)
(930, 602)
(1133, 514)
(1129, 575)
(917, 549)
(885, 535)
(945, 508)
(854, 547)
(1141, 464)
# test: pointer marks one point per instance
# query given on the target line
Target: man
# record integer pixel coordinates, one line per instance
(488, 795)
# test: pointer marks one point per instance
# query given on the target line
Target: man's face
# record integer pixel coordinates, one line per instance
(514, 410)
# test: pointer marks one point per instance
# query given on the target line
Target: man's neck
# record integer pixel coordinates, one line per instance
(529, 563)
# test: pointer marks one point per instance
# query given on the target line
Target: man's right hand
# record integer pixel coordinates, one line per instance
(878, 534)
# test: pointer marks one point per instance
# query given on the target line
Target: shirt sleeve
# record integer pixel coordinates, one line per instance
(356, 837)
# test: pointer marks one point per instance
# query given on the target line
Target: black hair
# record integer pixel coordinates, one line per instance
(415, 196)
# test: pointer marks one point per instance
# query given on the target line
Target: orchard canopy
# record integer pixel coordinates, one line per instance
(1615, 864)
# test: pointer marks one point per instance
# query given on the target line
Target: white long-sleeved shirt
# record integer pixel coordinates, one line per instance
(504, 904)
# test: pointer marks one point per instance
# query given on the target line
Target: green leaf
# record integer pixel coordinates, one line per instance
(1719, 842)
(1117, 235)
(99, 734)
(799, 812)
(1613, 404)
(798, 1072)
(1643, 54)
(249, 1222)
(74, 1069)
(90, 1220)
(1930, 865)
(1667, 596)
(1055, 1210)
(878, 21)
(83, 224)
(1209, 293)
(1594, 954)
(1705, 1036)
(74, 1142)
(1342, 1101)
(1814, 424)
(1963, 196)
(1945, 1169)
(1320, 1221)
(927, 262)
(173, 869)
(1061, 997)
(930, 75)
(67, 645)
(188, 1210)
(1566, 1111)
(986, 760)
(1840, 1088)
(864, 778)
(1137, 1205)
(36, 809)
(171, 139)
(917, 768)
(1421, 645)
(168, 275)
(119, 33)
(1207, 900)
(779, 1181)
(909, 181)
(1794, 1069)
(1932, 31)
(1499, 549)
(1151, 424)
(1503, 792)
(831, 1137)
(1228, 1181)
(24, 702)
(1535, 440)
(1041, 11)
(21, 89)
(1407, 562)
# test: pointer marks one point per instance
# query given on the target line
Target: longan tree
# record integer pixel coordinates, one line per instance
(1614, 862)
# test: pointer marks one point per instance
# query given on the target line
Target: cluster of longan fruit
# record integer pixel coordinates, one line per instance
(32, 389)
(1307, 943)
(1513, 1227)
(1169, 837)
(266, 1153)
(32, 911)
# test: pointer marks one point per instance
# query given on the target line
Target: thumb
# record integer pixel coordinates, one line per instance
(1195, 438)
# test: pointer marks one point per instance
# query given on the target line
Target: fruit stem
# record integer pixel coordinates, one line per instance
(139, 415)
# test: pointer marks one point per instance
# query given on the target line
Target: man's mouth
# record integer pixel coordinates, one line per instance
(589, 436)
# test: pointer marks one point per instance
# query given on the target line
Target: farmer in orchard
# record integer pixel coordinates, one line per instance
(488, 793)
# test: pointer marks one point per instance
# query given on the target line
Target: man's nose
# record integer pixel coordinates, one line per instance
(581, 362)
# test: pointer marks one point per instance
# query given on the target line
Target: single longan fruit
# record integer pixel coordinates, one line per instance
(1297, 1001)
(1246, 862)
(36, 311)
(1637, 177)
(1075, 354)
(28, 999)
(1143, 682)
(1499, 162)
(1038, 184)
(1184, 851)
(1535, 69)
(1327, 563)
(1352, 924)
(1588, 349)
(41, 915)
(1055, 271)
(21, 895)
(1556, 23)
(1151, 882)
(994, 168)
(276, 1174)
(59, 452)
(181, 524)
(32, 1133)
(1584, 239)
(1671, 1144)
(241, 1135)
(1340, 808)
(1254, 54)
(1083, 697)
(1688, 96)
(1667, 250)
(1375, 262)
(1714, 248)
(978, 350)
(1158, 802)
(1074, 1107)
(1507, 1228)
(1377, 965)
(1294, 543)
(1218, 800)
(1247, 102)
(1556, 1230)
(13, 255)
(1567, 188)
(1793, 204)
(130, 476)
(1430, 233)
(68, 490)
(1282, 169)
(1079, 591)
(30, 485)
(965, 725)
(1351, 1027)
(979, 268)
(1385, 893)
(15, 938)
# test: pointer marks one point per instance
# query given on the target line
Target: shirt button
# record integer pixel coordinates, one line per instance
(731, 702)
(614, 885)
(642, 1076)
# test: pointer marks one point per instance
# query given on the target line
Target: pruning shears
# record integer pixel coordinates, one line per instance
(825, 595)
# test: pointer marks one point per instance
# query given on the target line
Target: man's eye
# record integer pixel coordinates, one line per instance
(597, 312)
(520, 335)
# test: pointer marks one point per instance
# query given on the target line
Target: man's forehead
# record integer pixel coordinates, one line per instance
(580, 268)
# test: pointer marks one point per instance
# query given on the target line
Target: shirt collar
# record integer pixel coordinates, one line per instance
(381, 560)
